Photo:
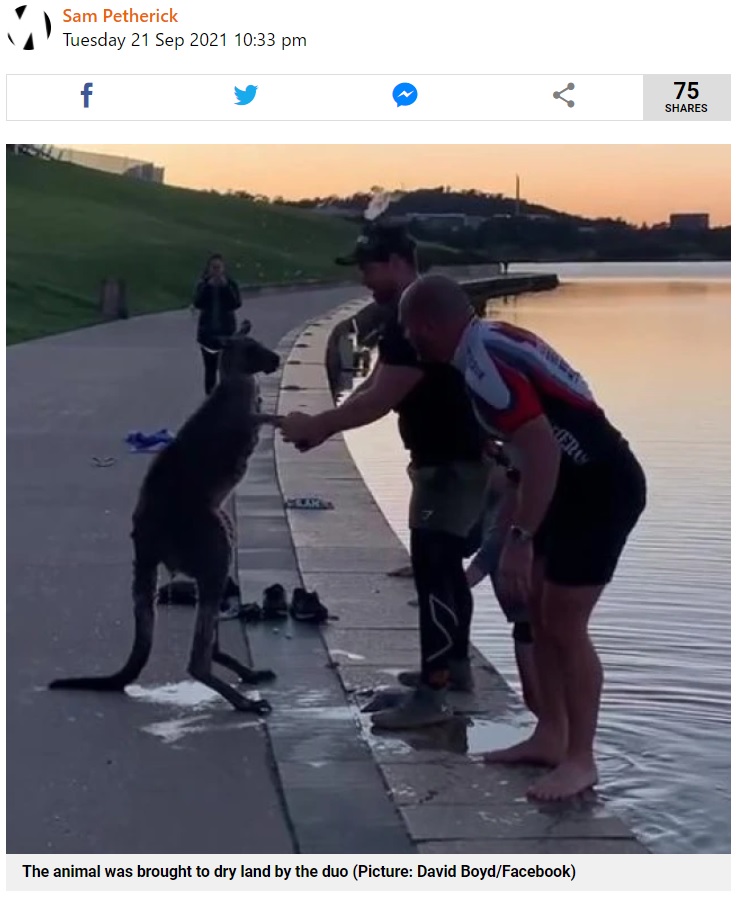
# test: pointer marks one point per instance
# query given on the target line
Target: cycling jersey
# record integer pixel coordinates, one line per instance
(513, 376)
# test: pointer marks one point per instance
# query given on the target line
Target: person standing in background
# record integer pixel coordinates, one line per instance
(216, 299)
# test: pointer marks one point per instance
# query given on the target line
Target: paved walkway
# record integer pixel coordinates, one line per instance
(165, 769)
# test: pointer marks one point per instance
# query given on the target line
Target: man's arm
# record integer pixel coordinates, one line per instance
(510, 404)
(539, 455)
(390, 384)
(364, 386)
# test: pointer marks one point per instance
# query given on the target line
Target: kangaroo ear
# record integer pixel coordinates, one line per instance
(245, 327)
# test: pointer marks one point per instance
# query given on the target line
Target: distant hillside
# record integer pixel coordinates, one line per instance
(441, 201)
(499, 228)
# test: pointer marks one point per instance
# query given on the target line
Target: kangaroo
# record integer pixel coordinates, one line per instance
(179, 520)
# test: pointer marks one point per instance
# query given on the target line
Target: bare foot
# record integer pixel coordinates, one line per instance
(536, 750)
(571, 778)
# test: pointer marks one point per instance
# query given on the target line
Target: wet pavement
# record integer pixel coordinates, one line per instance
(448, 800)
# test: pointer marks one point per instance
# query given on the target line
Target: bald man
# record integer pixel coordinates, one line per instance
(581, 492)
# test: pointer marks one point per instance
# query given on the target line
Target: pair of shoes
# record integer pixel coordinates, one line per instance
(423, 707)
(307, 607)
(274, 603)
(461, 679)
(273, 606)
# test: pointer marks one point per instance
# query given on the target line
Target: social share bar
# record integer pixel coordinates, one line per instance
(254, 97)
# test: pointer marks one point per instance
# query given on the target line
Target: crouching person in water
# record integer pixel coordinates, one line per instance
(500, 504)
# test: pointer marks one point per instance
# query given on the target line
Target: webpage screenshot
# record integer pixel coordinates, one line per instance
(368, 447)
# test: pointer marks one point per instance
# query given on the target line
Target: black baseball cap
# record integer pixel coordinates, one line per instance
(378, 243)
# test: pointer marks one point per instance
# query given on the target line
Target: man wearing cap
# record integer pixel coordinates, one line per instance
(447, 470)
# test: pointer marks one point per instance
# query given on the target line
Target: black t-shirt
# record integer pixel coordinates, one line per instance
(436, 420)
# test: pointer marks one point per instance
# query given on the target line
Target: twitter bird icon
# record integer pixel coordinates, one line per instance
(244, 97)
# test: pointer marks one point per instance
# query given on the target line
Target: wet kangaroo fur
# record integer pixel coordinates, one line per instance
(179, 521)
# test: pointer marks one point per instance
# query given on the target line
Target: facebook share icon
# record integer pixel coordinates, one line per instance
(86, 93)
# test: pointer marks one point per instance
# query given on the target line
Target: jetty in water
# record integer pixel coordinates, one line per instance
(363, 327)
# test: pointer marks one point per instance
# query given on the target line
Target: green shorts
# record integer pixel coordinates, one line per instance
(448, 498)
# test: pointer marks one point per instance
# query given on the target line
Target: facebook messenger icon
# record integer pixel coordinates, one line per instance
(405, 94)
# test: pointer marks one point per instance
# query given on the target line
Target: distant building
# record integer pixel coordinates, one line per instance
(114, 165)
(689, 221)
(444, 220)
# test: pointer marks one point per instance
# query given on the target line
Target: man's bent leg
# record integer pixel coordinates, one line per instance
(569, 610)
(597, 520)
(427, 704)
(446, 503)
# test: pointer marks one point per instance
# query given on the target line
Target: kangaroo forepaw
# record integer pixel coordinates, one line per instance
(258, 676)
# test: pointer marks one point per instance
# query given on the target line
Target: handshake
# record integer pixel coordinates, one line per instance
(305, 432)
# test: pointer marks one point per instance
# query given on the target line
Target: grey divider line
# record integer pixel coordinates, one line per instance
(448, 801)
(331, 787)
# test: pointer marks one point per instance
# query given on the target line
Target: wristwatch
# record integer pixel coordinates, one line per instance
(520, 534)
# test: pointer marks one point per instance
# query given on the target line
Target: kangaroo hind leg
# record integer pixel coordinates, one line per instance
(203, 649)
(211, 559)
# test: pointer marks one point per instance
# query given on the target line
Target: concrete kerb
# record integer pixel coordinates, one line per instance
(446, 798)
(333, 792)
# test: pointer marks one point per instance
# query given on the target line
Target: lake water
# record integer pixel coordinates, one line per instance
(653, 341)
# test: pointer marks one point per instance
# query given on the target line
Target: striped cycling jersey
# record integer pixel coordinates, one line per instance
(513, 376)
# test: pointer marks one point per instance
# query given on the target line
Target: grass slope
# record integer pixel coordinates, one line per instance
(69, 227)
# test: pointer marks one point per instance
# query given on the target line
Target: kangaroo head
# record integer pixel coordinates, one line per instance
(243, 355)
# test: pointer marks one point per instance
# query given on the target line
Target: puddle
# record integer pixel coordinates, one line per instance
(187, 694)
(172, 731)
(485, 736)
(352, 656)
(324, 713)
(300, 699)
(463, 735)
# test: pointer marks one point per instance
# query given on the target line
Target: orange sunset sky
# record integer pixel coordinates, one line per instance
(640, 183)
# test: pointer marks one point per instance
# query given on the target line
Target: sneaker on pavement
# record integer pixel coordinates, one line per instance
(274, 604)
(306, 606)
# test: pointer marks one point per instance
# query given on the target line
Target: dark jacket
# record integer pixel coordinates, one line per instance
(217, 304)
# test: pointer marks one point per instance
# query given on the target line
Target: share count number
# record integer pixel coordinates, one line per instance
(692, 89)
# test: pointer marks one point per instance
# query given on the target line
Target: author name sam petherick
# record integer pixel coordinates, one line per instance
(128, 16)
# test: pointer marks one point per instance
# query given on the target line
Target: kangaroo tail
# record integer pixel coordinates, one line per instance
(144, 587)
(127, 674)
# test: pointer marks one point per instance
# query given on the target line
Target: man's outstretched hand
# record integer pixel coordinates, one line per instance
(304, 431)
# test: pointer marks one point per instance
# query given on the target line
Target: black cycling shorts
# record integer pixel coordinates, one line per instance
(594, 509)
